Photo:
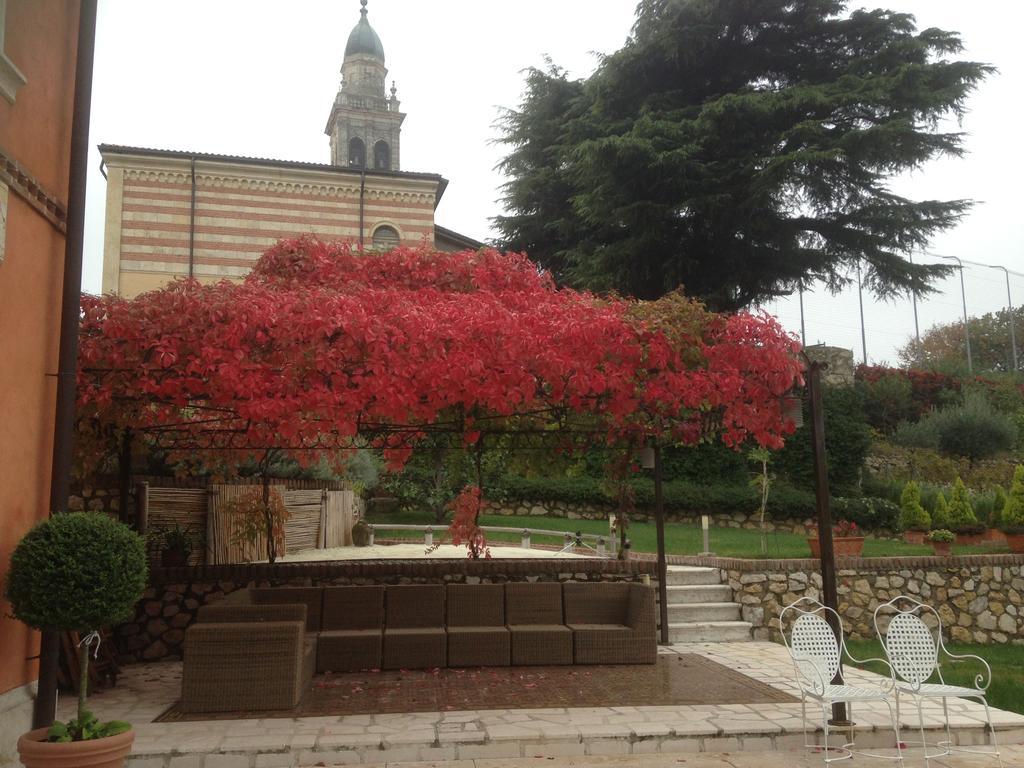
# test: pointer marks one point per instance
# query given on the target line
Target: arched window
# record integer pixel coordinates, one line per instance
(382, 156)
(385, 238)
(356, 153)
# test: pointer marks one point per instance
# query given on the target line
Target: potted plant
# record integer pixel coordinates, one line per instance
(914, 519)
(77, 571)
(361, 534)
(1011, 519)
(942, 541)
(175, 545)
(846, 540)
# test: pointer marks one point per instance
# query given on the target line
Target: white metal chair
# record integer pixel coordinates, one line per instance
(817, 653)
(915, 655)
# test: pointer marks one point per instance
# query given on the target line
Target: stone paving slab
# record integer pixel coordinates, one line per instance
(680, 734)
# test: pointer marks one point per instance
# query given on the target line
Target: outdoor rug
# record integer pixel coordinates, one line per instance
(675, 679)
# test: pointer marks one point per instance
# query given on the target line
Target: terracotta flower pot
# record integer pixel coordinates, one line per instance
(36, 752)
(1016, 542)
(972, 539)
(913, 537)
(995, 536)
(942, 548)
(843, 546)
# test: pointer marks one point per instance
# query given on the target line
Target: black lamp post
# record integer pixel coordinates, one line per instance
(821, 493)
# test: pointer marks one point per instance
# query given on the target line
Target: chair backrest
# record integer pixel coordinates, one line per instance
(311, 597)
(356, 607)
(533, 603)
(812, 643)
(475, 605)
(414, 606)
(912, 649)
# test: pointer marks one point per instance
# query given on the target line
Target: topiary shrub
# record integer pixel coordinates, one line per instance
(78, 571)
(995, 519)
(940, 513)
(913, 517)
(961, 514)
(1012, 518)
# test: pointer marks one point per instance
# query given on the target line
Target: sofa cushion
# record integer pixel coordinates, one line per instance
(311, 597)
(353, 608)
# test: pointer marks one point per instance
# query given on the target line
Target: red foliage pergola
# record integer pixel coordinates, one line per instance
(322, 345)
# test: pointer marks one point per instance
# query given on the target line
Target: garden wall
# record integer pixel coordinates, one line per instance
(980, 598)
(174, 595)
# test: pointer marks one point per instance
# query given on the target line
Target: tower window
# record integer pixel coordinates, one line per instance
(385, 238)
(382, 156)
(356, 153)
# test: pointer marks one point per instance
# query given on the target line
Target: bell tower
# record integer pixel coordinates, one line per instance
(365, 124)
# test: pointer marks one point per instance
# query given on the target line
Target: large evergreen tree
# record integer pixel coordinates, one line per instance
(737, 147)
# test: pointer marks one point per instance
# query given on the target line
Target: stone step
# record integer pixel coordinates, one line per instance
(709, 632)
(686, 575)
(698, 612)
(699, 593)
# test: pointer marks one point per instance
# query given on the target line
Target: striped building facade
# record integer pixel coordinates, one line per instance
(173, 214)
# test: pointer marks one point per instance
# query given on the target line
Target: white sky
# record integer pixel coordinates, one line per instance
(258, 77)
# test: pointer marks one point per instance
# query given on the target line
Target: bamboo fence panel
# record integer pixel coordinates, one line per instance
(222, 546)
(339, 517)
(185, 507)
(302, 531)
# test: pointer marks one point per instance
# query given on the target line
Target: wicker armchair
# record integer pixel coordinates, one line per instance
(533, 612)
(611, 623)
(352, 629)
(247, 657)
(414, 636)
(311, 597)
(477, 636)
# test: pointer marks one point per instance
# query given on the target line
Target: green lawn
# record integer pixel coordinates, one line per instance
(680, 539)
(1007, 688)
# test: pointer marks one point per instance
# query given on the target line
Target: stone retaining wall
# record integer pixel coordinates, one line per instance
(980, 598)
(174, 595)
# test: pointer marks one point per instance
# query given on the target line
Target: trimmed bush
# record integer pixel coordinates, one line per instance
(848, 441)
(77, 571)
(961, 514)
(913, 517)
(940, 513)
(1012, 517)
(995, 519)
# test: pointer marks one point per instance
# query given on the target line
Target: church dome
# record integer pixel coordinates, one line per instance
(362, 39)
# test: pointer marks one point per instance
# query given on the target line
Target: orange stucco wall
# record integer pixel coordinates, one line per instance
(41, 39)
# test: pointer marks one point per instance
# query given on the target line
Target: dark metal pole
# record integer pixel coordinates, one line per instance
(821, 493)
(913, 299)
(45, 706)
(860, 301)
(124, 468)
(659, 521)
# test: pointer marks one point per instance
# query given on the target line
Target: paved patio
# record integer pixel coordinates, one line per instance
(671, 733)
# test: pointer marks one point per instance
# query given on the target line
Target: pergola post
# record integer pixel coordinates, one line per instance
(821, 492)
(659, 520)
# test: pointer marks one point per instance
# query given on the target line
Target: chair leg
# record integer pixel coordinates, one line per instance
(920, 723)
(895, 729)
(945, 715)
(824, 725)
(803, 718)
(991, 730)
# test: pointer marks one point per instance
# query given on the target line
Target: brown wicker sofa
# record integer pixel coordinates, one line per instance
(611, 623)
(258, 648)
(244, 656)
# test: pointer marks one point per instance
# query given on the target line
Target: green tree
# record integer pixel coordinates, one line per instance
(913, 517)
(940, 515)
(961, 514)
(943, 347)
(739, 149)
(996, 518)
(1012, 517)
